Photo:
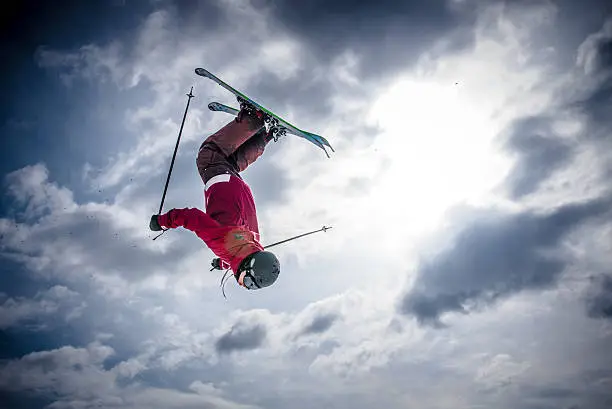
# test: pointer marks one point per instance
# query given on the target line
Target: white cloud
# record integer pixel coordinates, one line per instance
(588, 56)
(76, 378)
(57, 300)
(77, 241)
(500, 369)
(130, 368)
(67, 371)
(31, 188)
(165, 59)
(435, 147)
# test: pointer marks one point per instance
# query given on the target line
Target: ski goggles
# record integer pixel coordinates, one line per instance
(248, 280)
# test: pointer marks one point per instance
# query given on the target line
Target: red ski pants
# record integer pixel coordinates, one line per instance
(232, 148)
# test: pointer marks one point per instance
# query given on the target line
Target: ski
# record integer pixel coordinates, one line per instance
(219, 107)
(277, 124)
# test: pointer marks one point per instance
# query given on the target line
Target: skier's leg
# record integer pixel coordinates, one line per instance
(235, 133)
(249, 151)
(215, 151)
(212, 162)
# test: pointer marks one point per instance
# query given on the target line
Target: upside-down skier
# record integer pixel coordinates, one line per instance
(229, 225)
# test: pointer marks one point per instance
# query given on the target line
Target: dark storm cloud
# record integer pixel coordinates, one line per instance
(599, 303)
(541, 153)
(311, 100)
(494, 256)
(597, 105)
(241, 337)
(320, 324)
(540, 150)
(604, 54)
(595, 58)
(388, 33)
(206, 15)
(305, 93)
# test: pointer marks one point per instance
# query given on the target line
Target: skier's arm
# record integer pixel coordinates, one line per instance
(189, 218)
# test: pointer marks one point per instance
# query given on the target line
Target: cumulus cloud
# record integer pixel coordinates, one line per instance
(241, 337)
(39, 310)
(593, 96)
(495, 256)
(75, 371)
(499, 369)
(390, 31)
(559, 152)
(595, 53)
(31, 189)
(541, 153)
(145, 58)
(73, 240)
(75, 377)
(320, 324)
(575, 123)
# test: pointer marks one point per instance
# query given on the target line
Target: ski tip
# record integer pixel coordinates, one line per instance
(326, 143)
(202, 72)
(318, 140)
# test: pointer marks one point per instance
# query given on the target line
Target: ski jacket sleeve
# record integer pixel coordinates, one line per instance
(189, 218)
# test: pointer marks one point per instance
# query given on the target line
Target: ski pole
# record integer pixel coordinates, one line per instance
(190, 95)
(216, 263)
(323, 229)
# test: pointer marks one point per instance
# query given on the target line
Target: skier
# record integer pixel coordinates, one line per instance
(229, 224)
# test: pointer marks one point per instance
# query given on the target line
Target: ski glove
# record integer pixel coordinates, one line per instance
(154, 224)
(216, 264)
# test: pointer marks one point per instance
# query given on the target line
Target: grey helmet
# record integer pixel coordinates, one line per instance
(262, 269)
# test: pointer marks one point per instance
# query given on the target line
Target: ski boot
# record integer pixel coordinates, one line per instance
(247, 109)
(275, 132)
(273, 129)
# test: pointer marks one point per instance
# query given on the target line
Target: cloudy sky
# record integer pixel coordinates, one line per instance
(469, 264)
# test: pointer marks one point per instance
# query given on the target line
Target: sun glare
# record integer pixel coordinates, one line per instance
(439, 150)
